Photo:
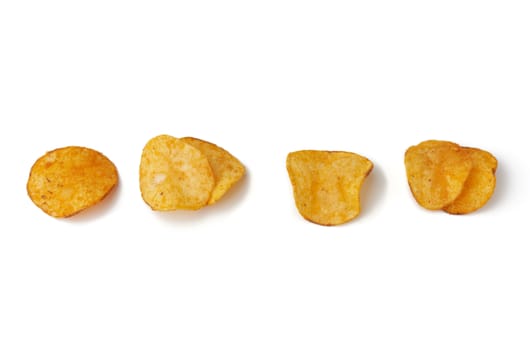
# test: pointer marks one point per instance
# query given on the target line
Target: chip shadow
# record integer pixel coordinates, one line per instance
(372, 192)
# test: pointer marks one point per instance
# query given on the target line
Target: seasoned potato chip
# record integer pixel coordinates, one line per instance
(174, 175)
(67, 180)
(436, 172)
(227, 169)
(479, 185)
(326, 185)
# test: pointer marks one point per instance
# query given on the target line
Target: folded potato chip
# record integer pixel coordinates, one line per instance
(444, 175)
(68, 180)
(436, 172)
(326, 184)
(479, 185)
(174, 175)
(227, 169)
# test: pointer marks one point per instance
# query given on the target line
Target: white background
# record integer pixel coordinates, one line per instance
(262, 79)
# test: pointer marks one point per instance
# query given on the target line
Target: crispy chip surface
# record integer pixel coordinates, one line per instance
(174, 175)
(227, 169)
(479, 185)
(436, 172)
(326, 184)
(67, 180)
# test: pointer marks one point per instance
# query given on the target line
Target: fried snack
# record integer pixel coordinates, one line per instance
(227, 169)
(174, 175)
(479, 185)
(326, 185)
(437, 172)
(68, 180)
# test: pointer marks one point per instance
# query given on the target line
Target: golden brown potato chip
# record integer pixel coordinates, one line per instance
(436, 172)
(326, 185)
(67, 180)
(227, 169)
(479, 185)
(174, 175)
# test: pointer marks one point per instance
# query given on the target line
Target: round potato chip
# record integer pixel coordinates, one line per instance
(479, 185)
(174, 175)
(67, 180)
(436, 172)
(227, 169)
(326, 184)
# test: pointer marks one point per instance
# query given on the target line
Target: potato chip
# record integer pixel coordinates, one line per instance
(68, 180)
(437, 172)
(326, 184)
(479, 185)
(174, 175)
(227, 169)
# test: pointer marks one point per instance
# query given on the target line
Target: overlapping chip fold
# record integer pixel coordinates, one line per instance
(185, 173)
(227, 169)
(444, 175)
(326, 184)
(479, 185)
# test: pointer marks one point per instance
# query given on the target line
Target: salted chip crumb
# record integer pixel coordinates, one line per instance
(480, 184)
(326, 184)
(436, 172)
(68, 180)
(227, 169)
(174, 175)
